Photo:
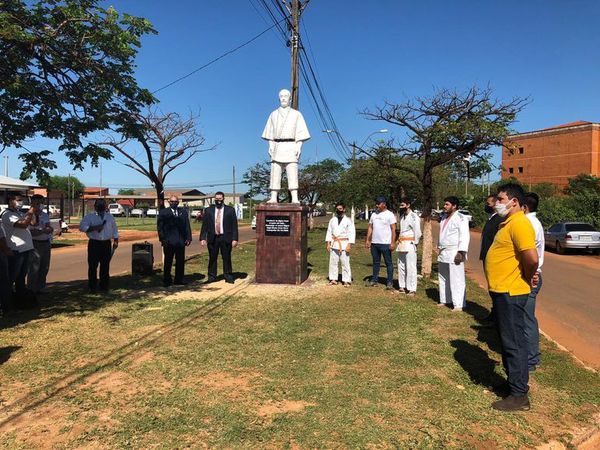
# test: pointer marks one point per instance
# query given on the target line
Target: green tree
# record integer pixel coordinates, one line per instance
(258, 178)
(68, 184)
(443, 130)
(126, 191)
(582, 184)
(66, 70)
(317, 182)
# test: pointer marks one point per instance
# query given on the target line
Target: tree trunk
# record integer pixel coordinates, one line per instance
(160, 195)
(426, 262)
(427, 182)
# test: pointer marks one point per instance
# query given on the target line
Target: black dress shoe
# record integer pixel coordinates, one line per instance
(513, 403)
(211, 279)
(180, 283)
(229, 280)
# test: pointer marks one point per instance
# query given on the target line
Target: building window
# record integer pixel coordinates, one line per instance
(521, 150)
(511, 170)
(520, 170)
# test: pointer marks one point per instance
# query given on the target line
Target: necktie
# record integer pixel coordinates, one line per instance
(218, 222)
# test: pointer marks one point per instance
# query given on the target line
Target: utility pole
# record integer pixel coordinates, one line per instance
(234, 186)
(295, 8)
(6, 166)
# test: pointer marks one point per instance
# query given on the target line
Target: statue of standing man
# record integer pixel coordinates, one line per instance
(285, 130)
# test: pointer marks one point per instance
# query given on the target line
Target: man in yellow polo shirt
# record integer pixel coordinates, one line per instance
(510, 269)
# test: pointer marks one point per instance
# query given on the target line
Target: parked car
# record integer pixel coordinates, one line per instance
(52, 210)
(197, 214)
(573, 235)
(253, 223)
(467, 215)
(138, 212)
(151, 212)
(116, 209)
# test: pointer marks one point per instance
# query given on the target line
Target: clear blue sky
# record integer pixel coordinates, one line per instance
(365, 52)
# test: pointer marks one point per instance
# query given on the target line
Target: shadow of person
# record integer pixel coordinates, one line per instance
(433, 294)
(477, 311)
(478, 365)
(240, 275)
(5, 352)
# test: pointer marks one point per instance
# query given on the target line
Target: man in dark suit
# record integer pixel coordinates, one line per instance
(220, 232)
(175, 234)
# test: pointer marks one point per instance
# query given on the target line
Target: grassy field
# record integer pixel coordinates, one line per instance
(254, 366)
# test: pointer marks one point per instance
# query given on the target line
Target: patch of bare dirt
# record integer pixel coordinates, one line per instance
(283, 407)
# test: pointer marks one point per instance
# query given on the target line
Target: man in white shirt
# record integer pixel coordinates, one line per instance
(340, 237)
(410, 234)
(453, 246)
(41, 234)
(101, 229)
(18, 238)
(532, 331)
(381, 239)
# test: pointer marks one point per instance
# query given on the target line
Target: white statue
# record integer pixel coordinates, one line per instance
(285, 130)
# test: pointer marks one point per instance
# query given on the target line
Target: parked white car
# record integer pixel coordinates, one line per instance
(116, 209)
(137, 212)
(152, 212)
(52, 210)
(467, 215)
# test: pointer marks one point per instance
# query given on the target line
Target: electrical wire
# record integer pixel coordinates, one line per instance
(217, 58)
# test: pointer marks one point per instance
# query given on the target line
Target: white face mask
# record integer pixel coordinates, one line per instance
(18, 204)
(502, 209)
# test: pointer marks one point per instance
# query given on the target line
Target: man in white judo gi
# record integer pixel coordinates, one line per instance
(340, 237)
(286, 131)
(452, 248)
(410, 234)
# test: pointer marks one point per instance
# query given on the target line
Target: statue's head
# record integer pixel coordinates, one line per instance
(284, 98)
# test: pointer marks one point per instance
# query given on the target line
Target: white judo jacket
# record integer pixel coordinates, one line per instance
(286, 128)
(410, 232)
(339, 235)
(454, 237)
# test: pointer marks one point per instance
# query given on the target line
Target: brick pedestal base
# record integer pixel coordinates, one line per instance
(281, 245)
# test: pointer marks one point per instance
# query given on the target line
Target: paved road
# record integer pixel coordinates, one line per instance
(70, 264)
(568, 306)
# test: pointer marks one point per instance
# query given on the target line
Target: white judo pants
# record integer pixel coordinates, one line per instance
(451, 279)
(291, 170)
(335, 257)
(407, 270)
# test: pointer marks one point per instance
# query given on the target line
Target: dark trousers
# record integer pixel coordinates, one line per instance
(5, 287)
(18, 265)
(214, 247)
(510, 321)
(98, 254)
(376, 251)
(532, 330)
(178, 252)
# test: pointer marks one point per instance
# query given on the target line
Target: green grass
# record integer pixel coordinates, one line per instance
(269, 366)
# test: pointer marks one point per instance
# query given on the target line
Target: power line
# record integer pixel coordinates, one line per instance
(218, 58)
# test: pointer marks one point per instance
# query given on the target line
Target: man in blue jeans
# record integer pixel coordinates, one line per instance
(381, 236)
(532, 331)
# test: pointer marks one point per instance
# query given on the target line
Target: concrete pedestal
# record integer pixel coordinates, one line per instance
(281, 245)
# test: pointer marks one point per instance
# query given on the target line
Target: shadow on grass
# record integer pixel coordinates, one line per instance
(5, 352)
(74, 297)
(478, 365)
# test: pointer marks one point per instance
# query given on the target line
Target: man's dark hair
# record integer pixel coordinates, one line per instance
(494, 196)
(37, 197)
(340, 204)
(99, 202)
(532, 201)
(513, 190)
(12, 196)
(452, 200)
(219, 193)
(406, 200)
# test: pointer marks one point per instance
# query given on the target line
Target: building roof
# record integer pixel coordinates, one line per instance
(570, 124)
(15, 184)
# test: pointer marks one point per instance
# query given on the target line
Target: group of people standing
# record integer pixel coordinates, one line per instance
(512, 252)
(25, 250)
